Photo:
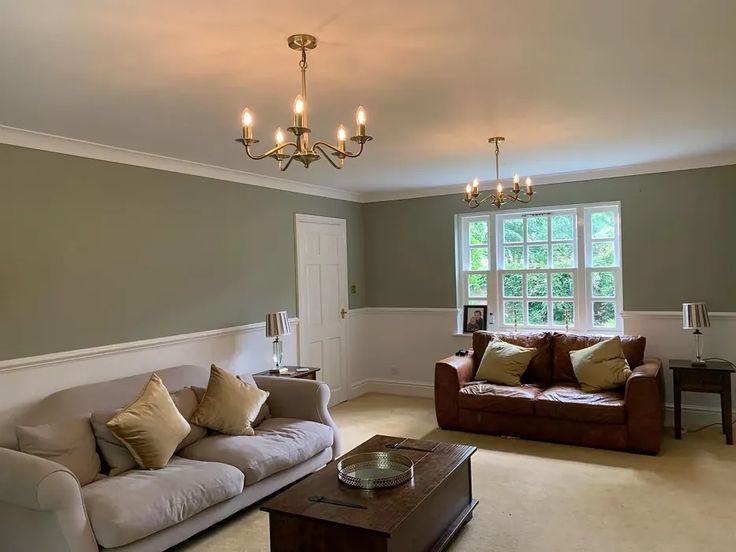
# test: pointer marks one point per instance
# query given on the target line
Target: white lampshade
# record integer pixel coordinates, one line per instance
(694, 316)
(277, 323)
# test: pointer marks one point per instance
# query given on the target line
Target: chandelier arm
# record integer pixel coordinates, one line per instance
(346, 153)
(326, 155)
(275, 149)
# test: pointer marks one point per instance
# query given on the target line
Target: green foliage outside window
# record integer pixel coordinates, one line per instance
(478, 231)
(562, 255)
(479, 258)
(603, 224)
(537, 256)
(563, 227)
(603, 253)
(562, 284)
(559, 308)
(512, 285)
(513, 230)
(536, 228)
(603, 284)
(604, 314)
(512, 311)
(513, 258)
(477, 285)
(537, 312)
(536, 285)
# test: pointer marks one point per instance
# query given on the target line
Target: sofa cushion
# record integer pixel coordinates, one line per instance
(562, 344)
(492, 397)
(140, 503)
(70, 443)
(229, 405)
(504, 363)
(569, 402)
(278, 444)
(540, 368)
(602, 366)
(151, 427)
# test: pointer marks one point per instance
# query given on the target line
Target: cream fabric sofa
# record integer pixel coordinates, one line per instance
(43, 507)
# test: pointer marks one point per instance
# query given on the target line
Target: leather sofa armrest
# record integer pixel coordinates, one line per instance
(644, 396)
(302, 399)
(41, 506)
(450, 374)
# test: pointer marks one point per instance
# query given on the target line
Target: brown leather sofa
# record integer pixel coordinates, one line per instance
(549, 405)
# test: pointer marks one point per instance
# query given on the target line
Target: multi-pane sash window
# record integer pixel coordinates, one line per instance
(551, 268)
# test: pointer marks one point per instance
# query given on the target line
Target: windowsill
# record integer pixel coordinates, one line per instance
(524, 331)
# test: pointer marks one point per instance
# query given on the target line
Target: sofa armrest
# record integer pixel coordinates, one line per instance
(302, 399)
(450, 374)
(644, 397)
(41, 506)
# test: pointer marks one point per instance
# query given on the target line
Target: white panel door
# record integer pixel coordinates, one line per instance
(322, 282)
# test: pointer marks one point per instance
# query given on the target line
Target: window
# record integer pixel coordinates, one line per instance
(550, 269)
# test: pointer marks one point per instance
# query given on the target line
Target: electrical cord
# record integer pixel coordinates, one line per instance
(716, 423)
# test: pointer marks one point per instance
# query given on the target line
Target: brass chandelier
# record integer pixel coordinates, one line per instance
(499, 196)
(286, 152)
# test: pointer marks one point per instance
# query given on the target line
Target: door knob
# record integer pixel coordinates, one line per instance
(343, 313)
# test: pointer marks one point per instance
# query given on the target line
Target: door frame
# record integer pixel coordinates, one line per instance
(342, 223)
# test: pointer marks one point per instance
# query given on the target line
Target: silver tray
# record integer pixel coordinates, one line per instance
(375, 470)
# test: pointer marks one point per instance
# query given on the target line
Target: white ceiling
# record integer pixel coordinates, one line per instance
(573, 84)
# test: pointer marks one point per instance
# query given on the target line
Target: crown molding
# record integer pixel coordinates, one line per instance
(91, 150)
(669, 165)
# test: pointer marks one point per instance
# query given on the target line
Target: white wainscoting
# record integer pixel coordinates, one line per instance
(240, 349)
(393, 350)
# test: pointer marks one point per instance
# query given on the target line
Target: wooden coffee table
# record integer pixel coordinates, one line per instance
(422, 514)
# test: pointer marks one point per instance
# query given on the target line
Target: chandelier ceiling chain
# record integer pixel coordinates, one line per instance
(300, 148)
(499, 196)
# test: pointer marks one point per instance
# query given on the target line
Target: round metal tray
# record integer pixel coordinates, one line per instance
(375, 470)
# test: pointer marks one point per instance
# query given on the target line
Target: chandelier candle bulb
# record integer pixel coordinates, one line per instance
(516, 183)
(476, 185)
(468, 191)
(360, 119)
(279, 136)
(299, 111)
(528, 186)
(342, 136)
(247, 124)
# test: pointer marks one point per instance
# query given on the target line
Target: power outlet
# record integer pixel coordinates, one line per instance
(393, 370)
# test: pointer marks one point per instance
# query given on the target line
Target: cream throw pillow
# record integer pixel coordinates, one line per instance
(504, 363)
(70, 443)
(229, 405)
(151, 427)
(601, 366)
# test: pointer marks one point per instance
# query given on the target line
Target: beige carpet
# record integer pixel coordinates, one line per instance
(541, 496)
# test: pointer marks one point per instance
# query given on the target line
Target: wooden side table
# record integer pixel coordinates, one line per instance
(715, 377)
(309, 373)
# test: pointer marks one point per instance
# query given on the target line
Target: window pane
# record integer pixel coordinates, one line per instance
(562, 255)
(603, 284)
(513, 257)
(513, 230)
(604, 314)
(512, 312)
(536, 312)
(478, 231)
(561, 311)
(512, 285)
(603, 224)
(477, 301)
(536, 228)
(563, 227)
(603, 253)
(479, 258)
(562, 284)
(536, 285)
(537, 256)
(477, 285)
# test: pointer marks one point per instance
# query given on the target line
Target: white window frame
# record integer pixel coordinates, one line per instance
(582, 246)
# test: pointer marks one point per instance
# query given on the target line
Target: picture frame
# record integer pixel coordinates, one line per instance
(475, 318)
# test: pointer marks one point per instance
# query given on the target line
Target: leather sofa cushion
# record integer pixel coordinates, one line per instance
(139, 503)
(278, 444)
(491, 397)
(569, 402)
(539, 370)
(562, 344)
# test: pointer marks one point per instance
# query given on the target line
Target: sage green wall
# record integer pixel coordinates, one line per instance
(95, 253)
(678, 235)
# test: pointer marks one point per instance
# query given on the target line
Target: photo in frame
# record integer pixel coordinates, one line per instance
(475, 318)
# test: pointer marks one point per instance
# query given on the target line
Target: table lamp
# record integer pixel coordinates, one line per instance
(277, 324)
(694, 317)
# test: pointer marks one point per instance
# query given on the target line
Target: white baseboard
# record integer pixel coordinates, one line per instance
(392, 387)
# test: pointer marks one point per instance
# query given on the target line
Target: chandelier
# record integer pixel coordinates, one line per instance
(286, 152)
(500, 196)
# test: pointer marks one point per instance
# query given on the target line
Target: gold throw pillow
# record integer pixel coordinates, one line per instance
(601, 366)
(229, 405)
(151, 427)
(504, 363)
